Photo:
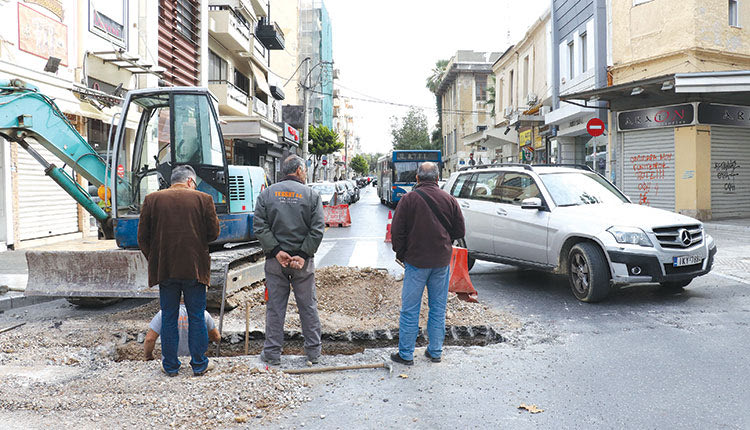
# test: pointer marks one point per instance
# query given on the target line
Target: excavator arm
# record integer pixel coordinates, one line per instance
(28, 115)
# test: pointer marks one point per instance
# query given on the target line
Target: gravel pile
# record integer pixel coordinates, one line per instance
(67, 372)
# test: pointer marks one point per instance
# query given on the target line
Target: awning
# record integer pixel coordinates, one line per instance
(491, 138)
(260, 79)
(716, 87)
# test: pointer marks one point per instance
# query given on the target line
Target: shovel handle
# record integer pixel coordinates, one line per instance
(334, 368)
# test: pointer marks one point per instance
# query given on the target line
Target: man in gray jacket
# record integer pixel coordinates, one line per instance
(289, 224)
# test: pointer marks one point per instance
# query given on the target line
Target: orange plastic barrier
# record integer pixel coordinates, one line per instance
(460, 283)
(388, 227)
(337, 216)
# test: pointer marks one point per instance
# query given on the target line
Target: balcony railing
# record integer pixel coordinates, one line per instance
(231, 97)
(270, 34)
(260, 107)
(232, 29)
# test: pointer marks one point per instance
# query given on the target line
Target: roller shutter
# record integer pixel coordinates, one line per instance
(730, 172)
(648, 170)
(44, 209)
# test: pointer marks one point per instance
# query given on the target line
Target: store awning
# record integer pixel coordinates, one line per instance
(260, 79)
(491, 138)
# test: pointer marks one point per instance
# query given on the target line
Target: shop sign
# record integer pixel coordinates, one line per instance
(527, 154)
(524, 138)
(41, 35)
(291, 133)
(665, 116)
(54, 6)
(711, 113)
(538, 142)
(108, 25)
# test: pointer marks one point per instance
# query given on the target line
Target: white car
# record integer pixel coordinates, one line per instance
(327, 191)
(573, 221)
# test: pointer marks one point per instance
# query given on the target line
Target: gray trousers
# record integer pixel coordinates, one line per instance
(278, 280)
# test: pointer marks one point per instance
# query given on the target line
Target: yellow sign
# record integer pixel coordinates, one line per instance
(524, 138)
(538, 142)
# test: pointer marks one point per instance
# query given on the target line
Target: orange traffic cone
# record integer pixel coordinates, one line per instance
(388, 227)
(460, 283)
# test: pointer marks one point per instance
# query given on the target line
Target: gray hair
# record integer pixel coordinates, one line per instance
(428, 172)
(291, 164)
(181, 174)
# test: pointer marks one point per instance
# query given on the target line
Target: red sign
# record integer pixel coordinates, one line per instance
(324, 162)
(120, 171)
(595, 127)
(292, 133)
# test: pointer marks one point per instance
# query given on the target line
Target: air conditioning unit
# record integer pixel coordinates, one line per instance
(508, 111)
(531, 99)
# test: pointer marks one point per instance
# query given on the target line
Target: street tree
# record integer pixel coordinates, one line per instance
(410, 131)
(432, 84)
(372, 160)
(359, 165)
(323, 141)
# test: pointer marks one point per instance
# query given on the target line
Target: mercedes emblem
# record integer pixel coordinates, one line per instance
(685, 237)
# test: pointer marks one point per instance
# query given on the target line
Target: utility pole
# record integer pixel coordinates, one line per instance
(346, 154)
(306, 126)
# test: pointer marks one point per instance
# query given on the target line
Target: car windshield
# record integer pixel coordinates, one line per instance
(574, 188)
(323, 188)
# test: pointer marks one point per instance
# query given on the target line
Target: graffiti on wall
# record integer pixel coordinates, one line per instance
(649, 169)
(42, 36)
(725, 172)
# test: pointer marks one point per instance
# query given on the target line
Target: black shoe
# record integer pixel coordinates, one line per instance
(433, 359)
(397, 358)
(271, 361)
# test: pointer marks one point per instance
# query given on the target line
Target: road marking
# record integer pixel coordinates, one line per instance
(365, 254)
(334, 239)
(323, 250)
(733, 278)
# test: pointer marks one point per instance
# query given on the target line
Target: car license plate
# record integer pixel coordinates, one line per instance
(686, 260)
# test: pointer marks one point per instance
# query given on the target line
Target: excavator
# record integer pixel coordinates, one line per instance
(175, 126)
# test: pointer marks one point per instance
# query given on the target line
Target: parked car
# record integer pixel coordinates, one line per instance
(574, 222)
(348, 191)
(355, 188)
(327, 190)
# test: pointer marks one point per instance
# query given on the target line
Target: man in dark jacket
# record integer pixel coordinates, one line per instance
(174, 230)
(288, 222)
(426, 222)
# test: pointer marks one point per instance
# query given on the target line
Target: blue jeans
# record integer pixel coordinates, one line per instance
(415, 280)
(194, 294)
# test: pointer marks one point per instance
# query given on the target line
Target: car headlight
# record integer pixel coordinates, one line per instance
(631, 235)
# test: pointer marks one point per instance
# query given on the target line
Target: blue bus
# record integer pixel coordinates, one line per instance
(397, 172)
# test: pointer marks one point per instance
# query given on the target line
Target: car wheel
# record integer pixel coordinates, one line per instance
(588, 273)
(675, 285)
(461, 243)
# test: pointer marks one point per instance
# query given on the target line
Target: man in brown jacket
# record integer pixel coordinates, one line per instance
(426, 222)
(174, 230)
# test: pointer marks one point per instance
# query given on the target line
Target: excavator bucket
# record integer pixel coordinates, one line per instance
(86, 273)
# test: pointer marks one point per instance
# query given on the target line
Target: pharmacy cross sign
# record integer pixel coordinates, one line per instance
(595, 127)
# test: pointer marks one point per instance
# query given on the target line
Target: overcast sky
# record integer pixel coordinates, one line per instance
(385, 49)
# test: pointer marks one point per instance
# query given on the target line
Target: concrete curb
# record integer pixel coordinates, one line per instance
(14, 300)
(726, 227)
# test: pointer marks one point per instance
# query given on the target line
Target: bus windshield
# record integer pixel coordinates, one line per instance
(406, 171)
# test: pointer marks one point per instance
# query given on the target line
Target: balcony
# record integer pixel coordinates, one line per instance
(232, 100)
(260, 107)
(270, 34)
(230, 29)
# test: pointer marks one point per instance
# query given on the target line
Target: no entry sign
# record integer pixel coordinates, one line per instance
(324, 162)
(595, 127)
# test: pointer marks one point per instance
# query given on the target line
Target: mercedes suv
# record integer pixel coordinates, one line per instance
(571, 220)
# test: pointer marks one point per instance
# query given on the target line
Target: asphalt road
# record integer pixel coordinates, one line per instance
(641, 359)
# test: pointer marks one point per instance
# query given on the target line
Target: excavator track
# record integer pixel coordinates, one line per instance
(95, 272)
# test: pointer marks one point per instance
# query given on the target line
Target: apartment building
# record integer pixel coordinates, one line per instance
(343, 124)
(679, 116)
(522, 98)
(465, 111)
(579, 63)
(84, 55)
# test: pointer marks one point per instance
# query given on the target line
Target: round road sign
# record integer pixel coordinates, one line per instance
(324, 162)
(595, 127)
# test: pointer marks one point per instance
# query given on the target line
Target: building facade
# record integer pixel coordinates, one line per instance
(316, 43)
(523, 96)
(679, 115)
(579, 63)
(465, 111)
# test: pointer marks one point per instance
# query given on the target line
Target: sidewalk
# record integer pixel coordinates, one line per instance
(732, 239)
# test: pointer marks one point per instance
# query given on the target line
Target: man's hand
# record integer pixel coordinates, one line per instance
(283, 258)
(297, 262)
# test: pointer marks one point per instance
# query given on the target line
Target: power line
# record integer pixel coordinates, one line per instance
(386, 102)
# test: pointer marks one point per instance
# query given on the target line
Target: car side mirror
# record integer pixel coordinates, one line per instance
(532, 203)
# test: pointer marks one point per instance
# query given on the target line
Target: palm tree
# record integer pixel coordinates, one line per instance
(436, 75)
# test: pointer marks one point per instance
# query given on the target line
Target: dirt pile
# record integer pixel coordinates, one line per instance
(351, 299)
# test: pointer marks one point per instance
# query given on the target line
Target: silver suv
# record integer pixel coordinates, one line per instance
(572, 221)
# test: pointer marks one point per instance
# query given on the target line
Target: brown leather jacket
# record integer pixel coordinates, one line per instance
(417, 236)
(174, 230)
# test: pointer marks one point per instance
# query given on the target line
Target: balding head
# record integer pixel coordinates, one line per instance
(427, 172)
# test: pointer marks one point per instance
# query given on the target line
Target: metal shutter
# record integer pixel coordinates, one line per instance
(44, 209)
(730, 179)
(648, 171)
